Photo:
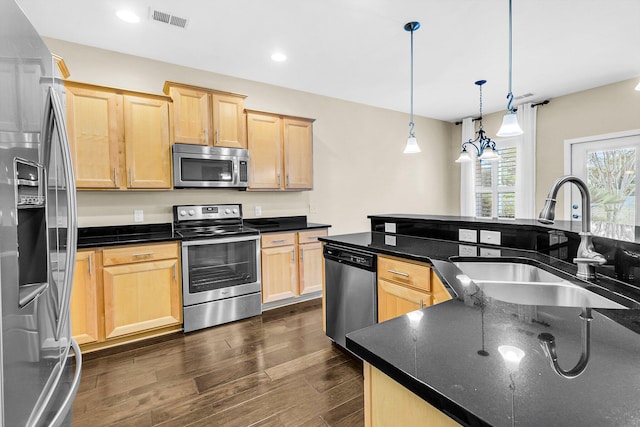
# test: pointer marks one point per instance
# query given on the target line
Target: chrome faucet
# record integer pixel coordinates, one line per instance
(587, 258)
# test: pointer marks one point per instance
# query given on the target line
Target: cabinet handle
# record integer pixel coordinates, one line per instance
(277, 241)
(130, 178)
(279, 181)
(90, 264)
(204, 134)
(293, 255)
(421, 303)
(217, 134)
(288, 183)
(301, 254)
(142, 254)
(115, 177)
(399, 273)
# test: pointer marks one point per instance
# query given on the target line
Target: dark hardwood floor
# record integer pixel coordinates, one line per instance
(278, 369)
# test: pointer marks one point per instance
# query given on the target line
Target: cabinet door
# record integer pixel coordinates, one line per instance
(279, 273)
(228, 121)
(298, 154)
(84, 299)
(146, 135)
(141, 296)
(396, 300)
(191, 116)
(310, 267)
(264, 140)
(94, 125)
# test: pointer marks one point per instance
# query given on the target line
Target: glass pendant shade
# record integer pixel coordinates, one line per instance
(412, 146)
(510, 126)
(464, 157)
(490, 155)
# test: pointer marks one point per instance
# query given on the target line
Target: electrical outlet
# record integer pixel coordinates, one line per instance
(138, 215)
(491, 237)
(258, 210)
(490, 252)
(470, 236)
(465, 250)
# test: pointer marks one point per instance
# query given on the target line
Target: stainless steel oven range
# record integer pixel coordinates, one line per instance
(220, 265)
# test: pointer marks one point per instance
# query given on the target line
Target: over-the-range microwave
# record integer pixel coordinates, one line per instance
(197, 166)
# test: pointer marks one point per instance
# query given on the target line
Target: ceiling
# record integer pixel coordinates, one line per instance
(358, 50)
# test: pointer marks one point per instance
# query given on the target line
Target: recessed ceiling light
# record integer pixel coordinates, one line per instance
(128, 16)
(279, 57)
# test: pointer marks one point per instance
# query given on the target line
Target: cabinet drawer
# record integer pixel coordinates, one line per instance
(129, 254)
(278, 239)
(404, 272)
(310, 236)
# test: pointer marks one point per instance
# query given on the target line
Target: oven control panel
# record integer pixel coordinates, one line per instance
(200, 212)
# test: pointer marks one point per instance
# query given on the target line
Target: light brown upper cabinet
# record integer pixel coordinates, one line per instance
(280, 151)
(204, 116)
(119, 139)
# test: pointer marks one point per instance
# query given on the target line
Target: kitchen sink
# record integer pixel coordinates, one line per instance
(521, 283)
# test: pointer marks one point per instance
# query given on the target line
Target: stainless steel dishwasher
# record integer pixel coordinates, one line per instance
(350, 291)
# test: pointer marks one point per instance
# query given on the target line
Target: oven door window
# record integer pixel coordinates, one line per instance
(217, 266)
(197, 170)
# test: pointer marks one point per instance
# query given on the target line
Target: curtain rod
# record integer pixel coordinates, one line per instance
(539, 104)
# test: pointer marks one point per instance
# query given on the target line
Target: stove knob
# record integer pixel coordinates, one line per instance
(235, 211)
(192, 212)
(227, 211)
(182, 213)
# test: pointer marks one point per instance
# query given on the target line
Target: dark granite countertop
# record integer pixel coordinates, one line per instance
(282, 224)
(449, 353)
(89, 237)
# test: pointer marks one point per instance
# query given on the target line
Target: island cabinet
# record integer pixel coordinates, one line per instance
(202, 116)
(406, 285)
(291, 264)
(387, 403)
(119, 139)
(281, 151)
(125, 293)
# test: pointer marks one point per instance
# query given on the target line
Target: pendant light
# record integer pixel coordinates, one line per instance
(485, 147)
(412, 142)
(510, 126)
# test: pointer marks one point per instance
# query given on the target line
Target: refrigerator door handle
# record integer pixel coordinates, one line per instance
(62, 413)
(72, 222)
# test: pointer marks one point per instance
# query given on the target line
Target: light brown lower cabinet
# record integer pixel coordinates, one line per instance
(406, 285)
(387, 403)
(291, 264)
(122, 294)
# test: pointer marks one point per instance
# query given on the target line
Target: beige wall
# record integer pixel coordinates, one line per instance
(605, 109)
(359, 168)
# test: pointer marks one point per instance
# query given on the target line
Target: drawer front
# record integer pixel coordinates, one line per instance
(129, 254)
(415, 275)
(310, 236)
(272, 240)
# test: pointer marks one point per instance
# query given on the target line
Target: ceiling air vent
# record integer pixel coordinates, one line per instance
(168, 18)
(526, 95)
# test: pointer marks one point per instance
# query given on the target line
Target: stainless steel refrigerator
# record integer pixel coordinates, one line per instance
(39, 370)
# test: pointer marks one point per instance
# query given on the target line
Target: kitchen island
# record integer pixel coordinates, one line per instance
(450, 354)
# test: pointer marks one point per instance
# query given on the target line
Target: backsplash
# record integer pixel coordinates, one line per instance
(561, 240)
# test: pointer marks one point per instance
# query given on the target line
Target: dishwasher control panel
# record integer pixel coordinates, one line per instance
(351, 257)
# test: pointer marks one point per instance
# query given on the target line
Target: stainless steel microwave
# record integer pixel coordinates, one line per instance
(197, 166)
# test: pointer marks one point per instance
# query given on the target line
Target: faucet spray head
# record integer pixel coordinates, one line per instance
(548, 212)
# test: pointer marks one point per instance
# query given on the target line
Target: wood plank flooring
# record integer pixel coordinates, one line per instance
(278, 369)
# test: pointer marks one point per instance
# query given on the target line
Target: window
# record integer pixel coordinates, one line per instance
(495, 185)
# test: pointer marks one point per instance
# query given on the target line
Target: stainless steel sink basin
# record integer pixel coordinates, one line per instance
(520, 283)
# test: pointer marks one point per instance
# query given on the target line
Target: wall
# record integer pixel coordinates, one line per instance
(606, 109)
(359, 168)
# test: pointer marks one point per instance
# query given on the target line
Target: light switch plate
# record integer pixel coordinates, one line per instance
(465, 235)
(138, 215)
(258, 210)
(389, 227)
(491, 237)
